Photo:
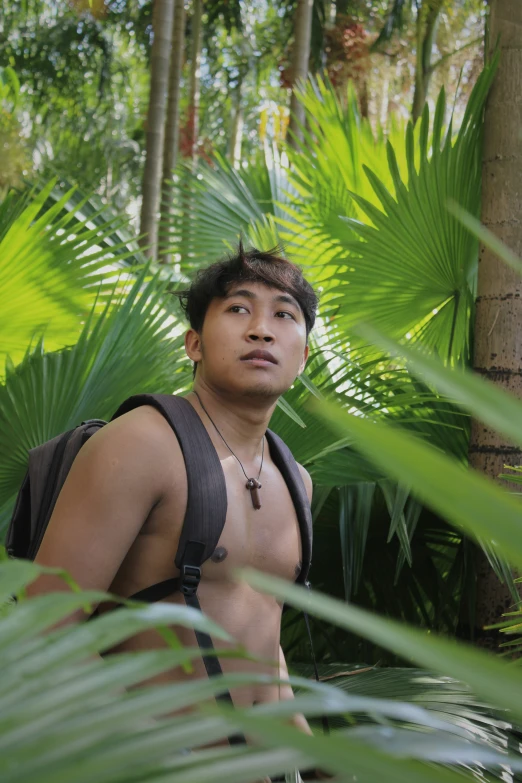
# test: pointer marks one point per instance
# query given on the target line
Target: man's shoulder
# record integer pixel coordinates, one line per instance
(142, 436)
(141, 419)
(142, 424)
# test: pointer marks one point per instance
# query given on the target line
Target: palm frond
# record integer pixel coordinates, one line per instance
(51, 264)
(120, 240)
(68, 715)
(490, 678)
(212, 211)
(445, 697)
(412, 270)
(326, 169)
(132, 347)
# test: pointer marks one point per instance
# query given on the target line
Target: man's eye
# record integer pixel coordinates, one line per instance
(237, 308)
(285, 314)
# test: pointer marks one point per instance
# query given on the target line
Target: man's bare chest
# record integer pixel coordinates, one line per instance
(267, 538)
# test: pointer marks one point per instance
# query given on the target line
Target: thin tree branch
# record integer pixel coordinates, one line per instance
(452, 54)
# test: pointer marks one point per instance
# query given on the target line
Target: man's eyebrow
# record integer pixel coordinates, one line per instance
(285, 298)
(241, 292)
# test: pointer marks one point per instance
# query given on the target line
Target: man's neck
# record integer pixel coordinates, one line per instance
(242, 422)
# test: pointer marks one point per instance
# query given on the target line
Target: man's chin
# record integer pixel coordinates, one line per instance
(262, 390)
(265, 389)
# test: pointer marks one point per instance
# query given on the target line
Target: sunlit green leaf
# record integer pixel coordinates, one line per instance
(489, 677)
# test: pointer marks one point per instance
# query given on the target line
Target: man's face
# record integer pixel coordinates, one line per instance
(253, 342)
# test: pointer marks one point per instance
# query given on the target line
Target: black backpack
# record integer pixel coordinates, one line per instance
(206, 510)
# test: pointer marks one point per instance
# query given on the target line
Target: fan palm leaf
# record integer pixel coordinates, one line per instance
(51, 264)
(121, 241)
(133, 346)
(490, 678)
(223, 203)
(66, 715)
(327, 166)
(447, 698)
(412, 270)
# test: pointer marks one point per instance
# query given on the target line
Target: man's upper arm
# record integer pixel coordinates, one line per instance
(116, 479)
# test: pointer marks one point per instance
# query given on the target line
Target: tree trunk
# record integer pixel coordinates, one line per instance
(427, 21)
(300, 58)
(194, 84)
(341, 11)
(162, 14)
(384, 103)
(234, 146)
(498, 325)
(364, 95)
(170, 153)
(192, 129)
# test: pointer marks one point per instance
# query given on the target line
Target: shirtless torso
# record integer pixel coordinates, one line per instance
(117, 523)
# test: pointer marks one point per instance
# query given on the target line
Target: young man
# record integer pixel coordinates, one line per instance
(117, 522)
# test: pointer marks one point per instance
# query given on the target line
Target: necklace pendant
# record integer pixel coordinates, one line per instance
(253, 485)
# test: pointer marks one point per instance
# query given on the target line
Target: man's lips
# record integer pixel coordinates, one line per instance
(263, 357)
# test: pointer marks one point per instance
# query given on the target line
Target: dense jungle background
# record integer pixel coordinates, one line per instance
(378, 143)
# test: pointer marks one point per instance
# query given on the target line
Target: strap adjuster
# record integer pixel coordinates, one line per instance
(190, 579)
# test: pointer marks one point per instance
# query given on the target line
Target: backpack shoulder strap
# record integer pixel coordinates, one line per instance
(286, 464)
(204, 517)
(207, 494)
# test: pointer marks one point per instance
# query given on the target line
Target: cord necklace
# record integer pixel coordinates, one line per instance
(252, 484)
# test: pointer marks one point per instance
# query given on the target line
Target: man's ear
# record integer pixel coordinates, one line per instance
(304, 359)
(193, 345)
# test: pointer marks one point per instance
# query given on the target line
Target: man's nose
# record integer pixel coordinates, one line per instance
(260, 331)
(267, 338)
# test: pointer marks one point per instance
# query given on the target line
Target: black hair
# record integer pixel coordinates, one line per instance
(255, 266)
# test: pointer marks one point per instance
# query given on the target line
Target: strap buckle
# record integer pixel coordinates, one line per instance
(190, 579)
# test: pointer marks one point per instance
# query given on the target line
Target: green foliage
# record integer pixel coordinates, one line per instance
(366, 214)
(488, 675)
(394, 20)
(14, 158)
(50, 392)
(82, 68)
(9, 87)
(500, 410)
(451, 700)
(68, 715)
(366, 217)
(52, 264)
(463, 497)
(328, 167)
(410, 268)
(79, 331)
(224, 203)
